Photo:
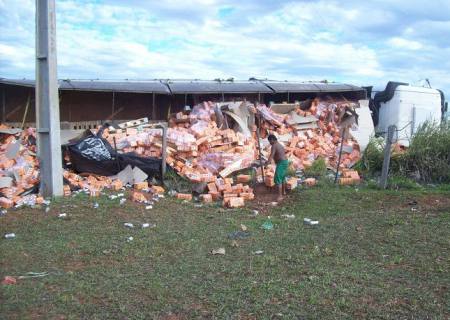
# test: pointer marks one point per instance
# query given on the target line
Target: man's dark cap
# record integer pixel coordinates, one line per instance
(271, 137)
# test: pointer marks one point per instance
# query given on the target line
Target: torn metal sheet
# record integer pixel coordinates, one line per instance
(242, 123)
(5, 182)
(11, 131)
(294, 118)
(126, 175)
(139, 175)
(283, 108)
(13, 149)
(365, 129)
(305, 126)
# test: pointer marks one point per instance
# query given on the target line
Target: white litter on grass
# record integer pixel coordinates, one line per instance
(148, 207)
(3, 212)
(10, 235)
(122, 201)
(129, 239)
(129, 225)
(113, 196)
(288, 216)
(62, 215)
(218, 251)
(120, 195)
(258, 252)
(47, 209)
(96, 205)
(310, 222)
(148, 225)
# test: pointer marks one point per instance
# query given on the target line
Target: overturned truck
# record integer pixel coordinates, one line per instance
(206, 145)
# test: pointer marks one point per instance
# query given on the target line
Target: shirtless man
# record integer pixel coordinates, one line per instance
(279, 156)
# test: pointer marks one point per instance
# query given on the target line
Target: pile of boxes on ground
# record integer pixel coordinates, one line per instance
(207, 149)
(206, 146)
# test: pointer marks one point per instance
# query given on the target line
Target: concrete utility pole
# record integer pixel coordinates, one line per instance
(47, 102)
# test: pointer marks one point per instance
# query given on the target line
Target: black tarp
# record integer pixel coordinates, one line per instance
(93, 154)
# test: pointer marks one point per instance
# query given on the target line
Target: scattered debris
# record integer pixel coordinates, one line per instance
(258, 252)
(62, 215)
(243, 227)
(148, 225)
(129, 239)
(128, 225)
(8, 280)
(349, 177)
(219, 251)
(310, 222)
(288, 216)
(96, 205)
(238, 235)
(10, 236)
(267, 225)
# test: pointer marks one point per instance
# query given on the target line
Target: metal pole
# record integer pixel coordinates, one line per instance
(4, 106)
(153, 107)
(113, 105)
(164, 151)
(387, 156)
(259, 148)
(340, 155)
(47, 102)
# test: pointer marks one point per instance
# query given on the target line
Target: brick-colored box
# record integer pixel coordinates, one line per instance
(184, 196)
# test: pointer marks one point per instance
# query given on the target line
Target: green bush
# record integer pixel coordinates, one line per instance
(318, 169)
(427, 159)
(428, 155)
(371, 160)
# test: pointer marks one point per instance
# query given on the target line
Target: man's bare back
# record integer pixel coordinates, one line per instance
(277, 153)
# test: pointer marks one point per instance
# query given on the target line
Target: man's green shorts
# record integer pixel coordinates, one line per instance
(280, 172)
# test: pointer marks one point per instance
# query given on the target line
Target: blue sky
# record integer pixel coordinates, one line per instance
(359, 42)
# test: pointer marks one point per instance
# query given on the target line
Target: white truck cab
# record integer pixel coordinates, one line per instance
(406, 107)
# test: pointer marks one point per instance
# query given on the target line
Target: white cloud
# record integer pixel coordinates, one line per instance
(352, 41)
(402, 43)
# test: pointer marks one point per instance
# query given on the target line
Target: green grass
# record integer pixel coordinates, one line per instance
(370, 257)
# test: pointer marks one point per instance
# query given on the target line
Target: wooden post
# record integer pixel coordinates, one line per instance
(26, 111)
(387, 156)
